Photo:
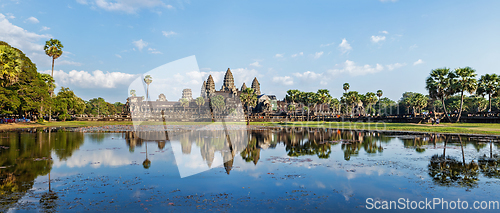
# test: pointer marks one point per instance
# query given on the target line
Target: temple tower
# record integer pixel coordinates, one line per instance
(210, 86)
(187, 94)
(256, 86)
(203, 92)
(243, 87)
(228, 84)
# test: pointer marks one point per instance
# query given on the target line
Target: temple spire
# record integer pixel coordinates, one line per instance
(228, 84)
(256, 86)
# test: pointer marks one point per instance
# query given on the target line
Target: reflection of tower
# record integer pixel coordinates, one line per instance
(187, 94)
(228, 84)
(161, 145)
(207, 153)
(228, 157)
(203, 92)
(210, 86)
(186, 144)
(256, 86)
(147, 163)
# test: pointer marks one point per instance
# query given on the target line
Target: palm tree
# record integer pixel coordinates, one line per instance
(184, 103)
(369, 99)
(200, 101)
(148, 79)
(249, 99)
(132, 92)
(489, 84)
(324, 97)
(346, 87)
(53, 48)
(465, 81)
(379, 94)
(439, 86)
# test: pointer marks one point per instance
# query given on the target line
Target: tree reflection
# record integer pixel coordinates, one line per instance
(25, 155)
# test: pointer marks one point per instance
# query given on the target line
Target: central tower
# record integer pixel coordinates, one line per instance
(228, 84)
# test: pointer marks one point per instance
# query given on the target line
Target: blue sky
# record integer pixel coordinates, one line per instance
(371, 44)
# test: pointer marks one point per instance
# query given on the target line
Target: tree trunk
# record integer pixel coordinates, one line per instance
(445, 111)
(489, 98)
(52, 75)
(461, 104)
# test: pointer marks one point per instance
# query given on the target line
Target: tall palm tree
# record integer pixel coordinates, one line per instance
(345, 87)
(439, 86)
(184, 103)
(369, 99)
(465, 82)
(53, 48)
(489, 84)
(249, 99)
(200, 101)
(148, 79)
(379, 94)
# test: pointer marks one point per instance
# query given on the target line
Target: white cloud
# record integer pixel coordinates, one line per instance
(419, 61)
(298, 54)
(326, 45)
(376, 39)
(167, 34)
(127, 6)
(384, 32)
(318, 54)
(412, 47)
(279, 55)
(284, 80)
(154, 51)
(28, 42)
(96, 79)
(352, 69)
(118, 56)
(345, 47)
(395, 66)
(32, 20)
(10, 16)
(140, 44)
(255, 64)
(308, 75)
(45, 28)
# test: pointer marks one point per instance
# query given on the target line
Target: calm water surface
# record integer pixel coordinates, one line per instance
(277, 170)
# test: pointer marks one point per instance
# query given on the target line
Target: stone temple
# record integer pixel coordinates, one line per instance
(187, 94)
(228, 90)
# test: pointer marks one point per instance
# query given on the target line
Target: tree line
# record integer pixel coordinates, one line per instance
(26, 92)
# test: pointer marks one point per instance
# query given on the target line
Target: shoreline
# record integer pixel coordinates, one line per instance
(466, 129)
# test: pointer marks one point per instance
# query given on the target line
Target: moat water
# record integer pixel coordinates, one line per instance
(275, 169)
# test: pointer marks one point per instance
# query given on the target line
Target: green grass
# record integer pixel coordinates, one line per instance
(462, 128)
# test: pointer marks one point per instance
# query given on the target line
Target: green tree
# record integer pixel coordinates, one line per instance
(439, 86)
(200, 101)
(148, 80)
(369, 99)
(248, 99)
(132, 92)
(184, 103)
(217, 102)
(10, 65)
(345, 87)
(489, 84)
(464, 81)
(53, 48)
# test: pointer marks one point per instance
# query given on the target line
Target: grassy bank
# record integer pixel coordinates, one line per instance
(463, 128)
